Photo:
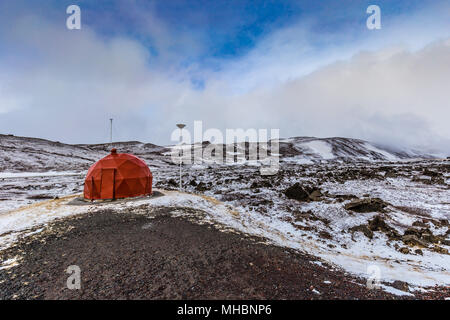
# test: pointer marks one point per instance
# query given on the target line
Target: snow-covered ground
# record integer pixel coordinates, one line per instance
(324, 227)
(237, 197)
(24, 188)
(352, 252)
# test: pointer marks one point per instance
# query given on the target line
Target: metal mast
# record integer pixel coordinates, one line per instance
(181, 126)
(110, 133)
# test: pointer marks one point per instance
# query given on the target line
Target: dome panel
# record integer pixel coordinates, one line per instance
(118, 175)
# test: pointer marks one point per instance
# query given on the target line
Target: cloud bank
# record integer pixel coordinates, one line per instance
(389, 88)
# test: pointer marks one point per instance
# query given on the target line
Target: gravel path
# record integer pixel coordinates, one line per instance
(131, 256)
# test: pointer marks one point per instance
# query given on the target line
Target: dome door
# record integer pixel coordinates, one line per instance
(108, 184)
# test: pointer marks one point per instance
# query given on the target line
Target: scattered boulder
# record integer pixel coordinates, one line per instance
(343, 197)
(261, 184)
(315, 195)
(364, 229)
(421, 237)
(430, 177)
(400, 285)
(440, 250)
(302, 193)
(413, 232)
(201, 187)
(366, 205)
(325, 235)
(404, 250)
(391, 174)
(297, 192)
(40, 197)
(419, 224)
(412, 240)
(172, 182)
(429, 173)
(377, 224)
(419, 252)
(429, 237)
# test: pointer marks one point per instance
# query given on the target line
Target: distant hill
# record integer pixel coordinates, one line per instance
(344, 149)
(18, 154)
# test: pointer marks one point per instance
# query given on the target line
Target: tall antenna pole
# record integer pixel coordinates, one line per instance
(110, 133)
(181, 126)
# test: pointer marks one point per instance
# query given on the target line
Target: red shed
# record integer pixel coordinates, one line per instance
(118, 175)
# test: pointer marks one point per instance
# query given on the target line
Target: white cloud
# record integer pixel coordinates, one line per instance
(388, 96)
(64, 85)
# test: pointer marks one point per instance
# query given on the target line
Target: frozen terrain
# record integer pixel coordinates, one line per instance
(351, 203)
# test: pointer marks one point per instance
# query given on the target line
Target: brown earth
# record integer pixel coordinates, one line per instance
(131, 256)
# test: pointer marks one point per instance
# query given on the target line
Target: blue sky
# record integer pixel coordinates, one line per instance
(223, 29)
(277, 64)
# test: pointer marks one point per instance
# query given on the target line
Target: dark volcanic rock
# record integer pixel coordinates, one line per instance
(127, 256)
(297, 192)
(315, 195)
(364, 229)
(172, 183)
(422, 237)
(419, 224)
(412, 240)
(303, 193)
(404, 250)
(366, 205)
(440, 250)
(430, 173)
(325, 235)
(400, 285)
(377, 224)
(343, 197)
(40, 197)
(261, 184)
(201, 187)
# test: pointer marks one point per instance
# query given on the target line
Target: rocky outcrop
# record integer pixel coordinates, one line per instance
(303, 193)
(366, 205)
(377, 224)
(421, 237)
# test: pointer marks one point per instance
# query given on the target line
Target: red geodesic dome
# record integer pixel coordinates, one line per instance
(118, 175)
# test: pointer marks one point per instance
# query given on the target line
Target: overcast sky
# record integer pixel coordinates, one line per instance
(309, 68)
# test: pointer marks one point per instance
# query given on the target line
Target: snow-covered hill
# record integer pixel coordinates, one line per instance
(21, 154)
(309, 150)
(345, 149)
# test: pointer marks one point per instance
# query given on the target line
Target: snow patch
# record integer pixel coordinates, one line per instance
(322, 148)
(395, 291)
